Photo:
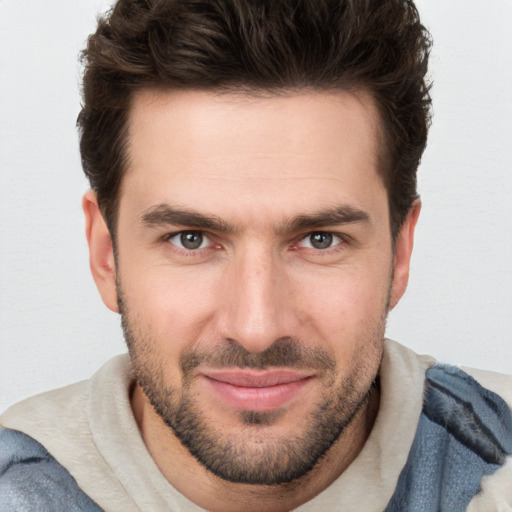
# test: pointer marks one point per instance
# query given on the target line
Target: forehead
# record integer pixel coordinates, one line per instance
(211, 148)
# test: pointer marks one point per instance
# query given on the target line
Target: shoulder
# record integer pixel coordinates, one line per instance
(474, 408)
(498, 383)
(46, 410)
(53, 416)
(64, 425)
(29, 474)
(477, 416)
(496, 489)
(462, 451)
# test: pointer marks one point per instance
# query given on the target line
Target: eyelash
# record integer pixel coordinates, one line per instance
(343, 240)
(189, 252)
(338, 241)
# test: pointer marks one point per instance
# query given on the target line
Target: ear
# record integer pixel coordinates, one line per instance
(403, 251)
(101, 251)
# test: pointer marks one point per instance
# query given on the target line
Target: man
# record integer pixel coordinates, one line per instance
(252, 214)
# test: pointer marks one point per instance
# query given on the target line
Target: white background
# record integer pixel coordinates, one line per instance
(54, 328)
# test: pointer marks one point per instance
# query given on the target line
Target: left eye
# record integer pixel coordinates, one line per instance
(320, 240)
(190, 240)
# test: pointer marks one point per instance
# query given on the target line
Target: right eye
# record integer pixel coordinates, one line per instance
(190, 240)
(320, 240)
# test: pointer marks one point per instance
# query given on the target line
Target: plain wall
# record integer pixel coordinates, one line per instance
(55, 330)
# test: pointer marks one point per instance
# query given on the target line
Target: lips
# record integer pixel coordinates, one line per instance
(256, 390)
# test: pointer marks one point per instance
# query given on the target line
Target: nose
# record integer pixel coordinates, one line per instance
(256, 308)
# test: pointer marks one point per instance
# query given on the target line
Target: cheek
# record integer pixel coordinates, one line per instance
(346, 304)
(175, 306)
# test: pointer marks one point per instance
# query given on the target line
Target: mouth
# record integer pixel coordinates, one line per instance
(252, 390)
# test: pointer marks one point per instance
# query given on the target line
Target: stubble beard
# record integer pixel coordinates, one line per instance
(250, 454)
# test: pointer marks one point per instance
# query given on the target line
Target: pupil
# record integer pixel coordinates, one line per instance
(321, 240)
(191, 240)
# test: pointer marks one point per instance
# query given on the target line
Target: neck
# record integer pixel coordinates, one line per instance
(208, 491)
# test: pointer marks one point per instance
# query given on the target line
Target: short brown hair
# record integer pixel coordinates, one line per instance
(378, 46)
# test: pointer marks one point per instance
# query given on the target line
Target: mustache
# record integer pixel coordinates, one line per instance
(284, 352)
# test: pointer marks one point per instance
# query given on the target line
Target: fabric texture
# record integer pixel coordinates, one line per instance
(441, 442)
(31, 479)
(464, 434)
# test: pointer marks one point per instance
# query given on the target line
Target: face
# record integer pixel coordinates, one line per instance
(254, 272)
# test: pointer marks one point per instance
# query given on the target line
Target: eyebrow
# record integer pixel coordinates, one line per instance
(326, 218)
(167, 215)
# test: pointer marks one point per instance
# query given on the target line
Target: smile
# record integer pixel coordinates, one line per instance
(256, 391)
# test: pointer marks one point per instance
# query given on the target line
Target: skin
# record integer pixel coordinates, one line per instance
(268, 169)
